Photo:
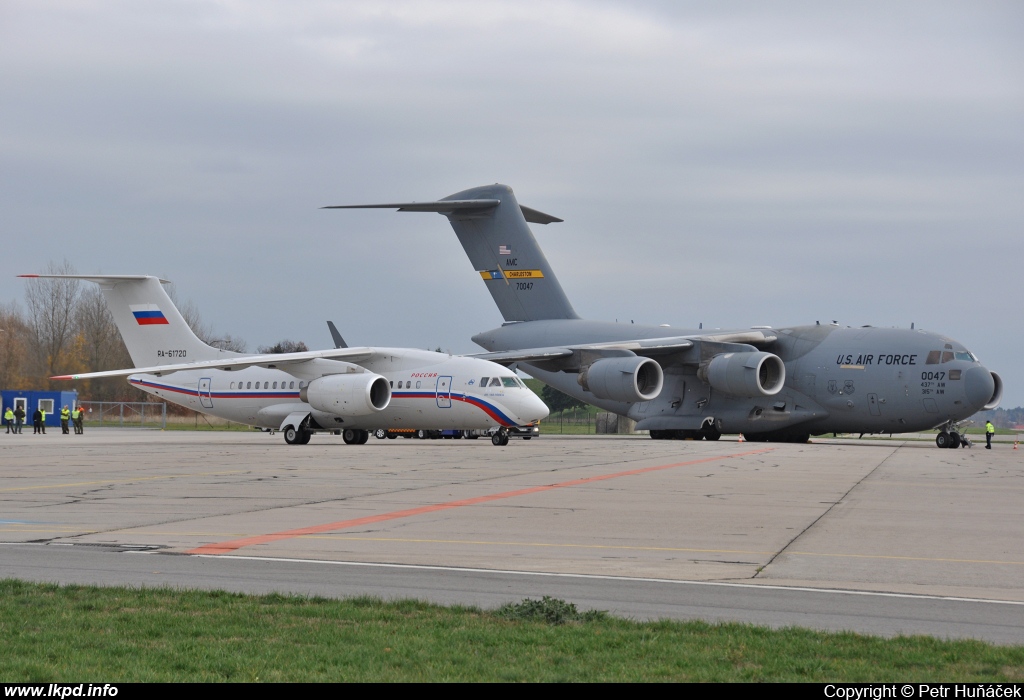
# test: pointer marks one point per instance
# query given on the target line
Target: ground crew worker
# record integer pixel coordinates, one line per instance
(990, 430)
(19, 419)
(9, 419)
(76, 419)
(42, 421)
(65, 416)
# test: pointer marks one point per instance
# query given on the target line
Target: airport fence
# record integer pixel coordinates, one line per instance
(125, 414)
(570, 422)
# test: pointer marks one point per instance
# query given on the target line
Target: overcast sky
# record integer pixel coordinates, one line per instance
(725, 163)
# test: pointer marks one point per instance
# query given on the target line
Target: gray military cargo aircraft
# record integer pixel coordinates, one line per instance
(782, 384)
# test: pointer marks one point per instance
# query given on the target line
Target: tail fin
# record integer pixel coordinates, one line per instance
(150, 324)
(491, 225)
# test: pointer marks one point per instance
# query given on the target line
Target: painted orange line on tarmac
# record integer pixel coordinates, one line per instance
(233, 545)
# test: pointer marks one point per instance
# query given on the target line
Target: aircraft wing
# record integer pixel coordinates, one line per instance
(647, 347)
(272, 361)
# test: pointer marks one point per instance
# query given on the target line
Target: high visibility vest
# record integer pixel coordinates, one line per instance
(989, 428)
(75, 414)
(42, 416)
(8, 415)
(65, 414)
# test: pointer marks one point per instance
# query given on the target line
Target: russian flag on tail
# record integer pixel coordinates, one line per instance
(148, 314)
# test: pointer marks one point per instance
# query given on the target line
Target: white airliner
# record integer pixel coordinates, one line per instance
(346, 390)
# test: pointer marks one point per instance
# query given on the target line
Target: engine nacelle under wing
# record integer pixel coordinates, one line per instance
(348, 395)
(745, 374)
(629, 379)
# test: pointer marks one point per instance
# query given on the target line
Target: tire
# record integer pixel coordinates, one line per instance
(291, 436)
(954, 440)
(350, 436)
(496, 440)
(380, 433)
(421, 434)
(304, 436)
(942, 439)
(364, 435)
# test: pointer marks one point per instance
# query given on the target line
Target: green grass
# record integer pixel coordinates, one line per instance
(85, 634)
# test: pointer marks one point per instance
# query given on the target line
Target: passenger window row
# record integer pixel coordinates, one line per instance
(266, 385)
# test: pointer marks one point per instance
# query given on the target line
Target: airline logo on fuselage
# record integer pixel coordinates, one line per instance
(148, 315)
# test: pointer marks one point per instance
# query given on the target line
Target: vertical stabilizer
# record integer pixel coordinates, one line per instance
(501, 247)
(493, 230)
(151, 325)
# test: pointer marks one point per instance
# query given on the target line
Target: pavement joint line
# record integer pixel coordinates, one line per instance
(233, 545)
(824, 513)
(600, 577)
(121, 481)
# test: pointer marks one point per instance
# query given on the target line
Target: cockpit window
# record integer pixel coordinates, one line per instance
(965, 356)
(510, 382)
(933, 357)
(495, 382)
(947, 355)
(483, 381)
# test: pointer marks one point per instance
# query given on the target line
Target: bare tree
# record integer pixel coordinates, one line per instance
(282, 347)
(14, 345)
(190, 312)
(51, 318)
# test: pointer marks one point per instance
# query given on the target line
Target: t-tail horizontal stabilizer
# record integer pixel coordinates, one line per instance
(492, 227)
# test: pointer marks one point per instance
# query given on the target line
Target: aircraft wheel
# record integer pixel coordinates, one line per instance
(364, 435)
(350, 436)
(657, 435)
(291, 436)
(380, 433)
(954, 440)
(942, 439)
(710, 432)
(304, 436)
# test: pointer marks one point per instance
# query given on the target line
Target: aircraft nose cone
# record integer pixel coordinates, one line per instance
(979, 387)
(539, 409)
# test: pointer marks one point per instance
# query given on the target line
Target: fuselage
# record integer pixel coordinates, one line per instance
(870, 380)
(428, 391)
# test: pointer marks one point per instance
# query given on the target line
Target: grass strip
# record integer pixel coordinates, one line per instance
(86, 634)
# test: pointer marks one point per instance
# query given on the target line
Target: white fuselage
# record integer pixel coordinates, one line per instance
(428, 391)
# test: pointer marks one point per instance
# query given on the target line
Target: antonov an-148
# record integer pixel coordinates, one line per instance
(346, 390)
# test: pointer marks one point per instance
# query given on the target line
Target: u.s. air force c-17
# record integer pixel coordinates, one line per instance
(346, 390)
(782, 384)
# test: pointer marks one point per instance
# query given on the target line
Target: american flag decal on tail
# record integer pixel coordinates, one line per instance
(148, 315)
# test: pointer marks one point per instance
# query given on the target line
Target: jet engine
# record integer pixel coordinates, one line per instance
(745, 374)
(997, 393)
(629, 379)
(348, 394)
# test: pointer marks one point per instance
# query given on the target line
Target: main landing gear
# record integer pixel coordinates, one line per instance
(500, 438)
(297, 436)
(949, 436)
(352, 436)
